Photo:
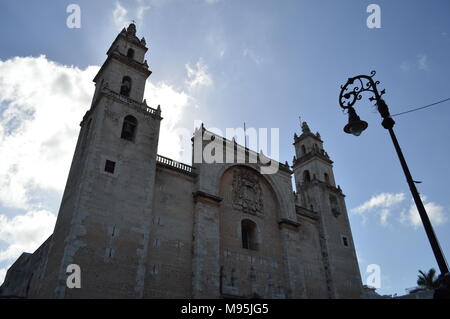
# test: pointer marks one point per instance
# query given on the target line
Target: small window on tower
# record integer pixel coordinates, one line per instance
(130, 53)
(125, 88)
(306, 176)
(129, 128)
(110, 166)
(345, 241)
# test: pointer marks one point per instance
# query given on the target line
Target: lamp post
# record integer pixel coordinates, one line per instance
(350, 94)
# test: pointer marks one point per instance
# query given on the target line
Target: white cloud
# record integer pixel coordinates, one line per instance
(42, 105)
(2, 274)
(24, 233)
(141, 8)
(435, 212)
(422, 61)
(198, 75)
(40, 100)
(381, 205)
(383, 200)
(173, 104)
(120, 16)
(384, 215)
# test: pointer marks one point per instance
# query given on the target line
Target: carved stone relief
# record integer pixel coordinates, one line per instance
(247, 192)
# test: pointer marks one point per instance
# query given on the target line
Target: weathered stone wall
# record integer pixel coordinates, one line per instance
(155, 230)
(23, 278)
(310, 260)
(259, 271)
(288, 262)
(338, 255)
(169, 258)
(105, 229)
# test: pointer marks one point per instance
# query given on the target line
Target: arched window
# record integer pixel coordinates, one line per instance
(249, 236)
(129, 128)
(130, 53)
(303, 150)
(327, 178)
(125, 88)
(306, 176)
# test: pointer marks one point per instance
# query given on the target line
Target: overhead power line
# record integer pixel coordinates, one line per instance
(422, 107)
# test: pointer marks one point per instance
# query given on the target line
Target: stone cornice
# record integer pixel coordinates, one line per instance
(316, 182)
(336, 190)
(130, 38)
(199, 195)
(302, 211)
(306, 135)
(140, 67)
(289, 224)
(313, 154)
(140, 107)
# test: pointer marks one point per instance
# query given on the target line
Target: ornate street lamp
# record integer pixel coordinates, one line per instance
(350, 94)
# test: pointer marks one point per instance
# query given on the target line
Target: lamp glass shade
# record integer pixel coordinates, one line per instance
(355, 126)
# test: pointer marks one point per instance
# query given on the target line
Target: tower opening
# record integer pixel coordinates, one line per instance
(306, 176)
(125, 88)
(130, 53)
(129, 128)
(303, 150)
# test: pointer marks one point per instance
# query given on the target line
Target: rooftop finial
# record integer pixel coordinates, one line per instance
(305, 128)
(132, 28)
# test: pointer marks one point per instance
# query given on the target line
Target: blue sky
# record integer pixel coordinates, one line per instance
(226, 62)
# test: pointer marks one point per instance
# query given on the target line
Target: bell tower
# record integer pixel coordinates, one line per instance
(317, 192)
(311, 162)
(125, 69)
(106, 210)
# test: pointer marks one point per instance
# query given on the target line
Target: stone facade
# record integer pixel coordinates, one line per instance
(140, 225)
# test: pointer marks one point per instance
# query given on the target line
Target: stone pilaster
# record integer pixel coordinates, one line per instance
(206, 246)
(295, 283)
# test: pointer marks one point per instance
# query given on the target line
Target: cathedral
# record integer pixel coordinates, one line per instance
(139, 225)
